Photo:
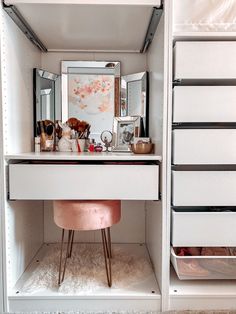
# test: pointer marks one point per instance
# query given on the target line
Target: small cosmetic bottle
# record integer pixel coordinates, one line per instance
(98, 148)
(37, 144)
(91, 146)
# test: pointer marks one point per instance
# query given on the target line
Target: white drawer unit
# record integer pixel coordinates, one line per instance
(189, 228)
(49, 182)
(204, 146)
(204, 104)
(205, 60)
(204, 188)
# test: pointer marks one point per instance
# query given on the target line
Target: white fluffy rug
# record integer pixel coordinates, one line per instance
(85, 272)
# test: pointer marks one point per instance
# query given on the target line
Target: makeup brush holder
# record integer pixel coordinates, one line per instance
(46, 128)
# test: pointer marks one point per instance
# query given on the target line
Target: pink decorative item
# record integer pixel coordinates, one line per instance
(86, 215)
(65, 143)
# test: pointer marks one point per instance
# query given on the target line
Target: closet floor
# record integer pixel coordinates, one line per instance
(85, 277)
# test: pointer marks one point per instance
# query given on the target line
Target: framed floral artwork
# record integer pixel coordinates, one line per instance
(90, 92)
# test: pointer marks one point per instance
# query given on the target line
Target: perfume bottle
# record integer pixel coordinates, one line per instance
(91, 146)
(98, 148)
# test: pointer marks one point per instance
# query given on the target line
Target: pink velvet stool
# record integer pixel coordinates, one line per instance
(87, 215)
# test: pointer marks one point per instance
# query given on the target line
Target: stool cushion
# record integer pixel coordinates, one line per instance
(86, 215)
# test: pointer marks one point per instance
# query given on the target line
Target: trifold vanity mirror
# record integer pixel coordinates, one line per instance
(91, 91)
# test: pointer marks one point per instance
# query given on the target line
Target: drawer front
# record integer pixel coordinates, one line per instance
(189, 229)
(205, 60)
(204, 146)
(204, 104)
(204, 188)
(49, 182)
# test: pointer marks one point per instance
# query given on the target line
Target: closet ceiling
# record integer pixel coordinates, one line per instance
(95, 26)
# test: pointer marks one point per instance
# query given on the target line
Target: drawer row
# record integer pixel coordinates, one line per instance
(202, 60)
(193, 190)
(204, 104)
(199, 107)
(204, 146)
(204, 188)
(199, 229)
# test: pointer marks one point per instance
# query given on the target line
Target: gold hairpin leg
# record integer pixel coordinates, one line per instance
(68, 249)
(107, 257)
(109, 241)
(62, 240)
(71, 244)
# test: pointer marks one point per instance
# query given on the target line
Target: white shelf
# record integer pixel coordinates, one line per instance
(144, 294)
(194, 36)
(204, 288)
(94, 2)
(84, 156)
(82, 25)
(201, 295)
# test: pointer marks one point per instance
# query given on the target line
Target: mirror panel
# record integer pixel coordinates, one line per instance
(91, 92)
(134, 98)
(47, 104)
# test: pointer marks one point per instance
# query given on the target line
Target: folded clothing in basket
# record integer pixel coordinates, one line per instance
(203, 266)
(205, 251)
(215, 251)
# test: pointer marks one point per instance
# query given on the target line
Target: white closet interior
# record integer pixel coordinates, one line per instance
(28, 225)
(189, 82)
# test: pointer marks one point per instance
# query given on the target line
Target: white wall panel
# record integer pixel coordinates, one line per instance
(25, 236)
(154, 213)
(2, 190)
(22, 221)
(19, 57)
(130, 62)
(155, 64)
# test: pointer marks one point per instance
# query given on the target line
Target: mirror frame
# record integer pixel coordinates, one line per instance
(45, 75)
(125, 80)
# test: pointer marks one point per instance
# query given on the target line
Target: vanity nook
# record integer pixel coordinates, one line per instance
(117, 116)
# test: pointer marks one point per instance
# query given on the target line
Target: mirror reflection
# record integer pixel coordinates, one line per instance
(47, 104)
(91, 92)
(134, 98)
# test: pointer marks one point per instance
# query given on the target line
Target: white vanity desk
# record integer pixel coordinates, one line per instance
(49, 176)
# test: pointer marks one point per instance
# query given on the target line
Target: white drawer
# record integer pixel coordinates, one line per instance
(48, 182)
(204, 104)
(204, 188)
(205, 60)
(204, 146)
(189, 229)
